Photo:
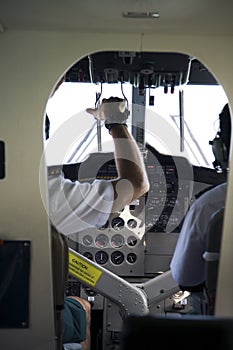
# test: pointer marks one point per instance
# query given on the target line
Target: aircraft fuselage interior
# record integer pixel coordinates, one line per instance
(171, 61)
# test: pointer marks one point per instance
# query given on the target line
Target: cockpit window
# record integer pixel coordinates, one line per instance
(74, 133)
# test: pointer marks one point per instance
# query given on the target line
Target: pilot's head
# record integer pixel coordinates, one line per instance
(222, 142)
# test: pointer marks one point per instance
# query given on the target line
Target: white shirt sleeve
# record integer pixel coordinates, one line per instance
(75, 206)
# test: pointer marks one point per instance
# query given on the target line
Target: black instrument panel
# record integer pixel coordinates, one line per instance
(121, 244)
(140, 69)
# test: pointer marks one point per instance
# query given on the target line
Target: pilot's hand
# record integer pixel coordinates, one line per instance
(111, 110)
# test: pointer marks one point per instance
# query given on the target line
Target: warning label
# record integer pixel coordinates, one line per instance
(81, 269)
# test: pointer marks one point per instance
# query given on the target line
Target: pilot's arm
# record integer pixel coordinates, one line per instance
(132, 181)
(75, 206)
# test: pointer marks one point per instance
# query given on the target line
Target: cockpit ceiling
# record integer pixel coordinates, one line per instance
(183, 17)
(141, 69)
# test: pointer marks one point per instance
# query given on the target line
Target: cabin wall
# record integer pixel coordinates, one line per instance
(31, 63)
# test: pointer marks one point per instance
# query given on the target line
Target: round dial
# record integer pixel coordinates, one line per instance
(131, 241)
(101, 257)
(117, 257)
(87, 240)
(132, 223)
(118, 223)
(131, 258)
(101, 241)
(117, 241)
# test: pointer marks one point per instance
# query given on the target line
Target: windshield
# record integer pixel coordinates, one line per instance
(74, 133)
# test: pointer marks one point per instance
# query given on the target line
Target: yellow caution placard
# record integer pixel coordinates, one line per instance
(88, 273)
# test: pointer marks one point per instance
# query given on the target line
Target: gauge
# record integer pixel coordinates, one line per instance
(101, 241)
(132, 241)
(117, 257)
(104, 226)
(88, 255)
(117, 241)
(118, 223)
(131, 258)
(87, 240)
(101, 257)
(132, 223)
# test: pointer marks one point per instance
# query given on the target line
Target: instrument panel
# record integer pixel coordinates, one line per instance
(140, 240)
(169, 197)
(121, 244)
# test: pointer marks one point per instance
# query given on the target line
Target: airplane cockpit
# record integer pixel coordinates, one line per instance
(123, 266)
(171, 62)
